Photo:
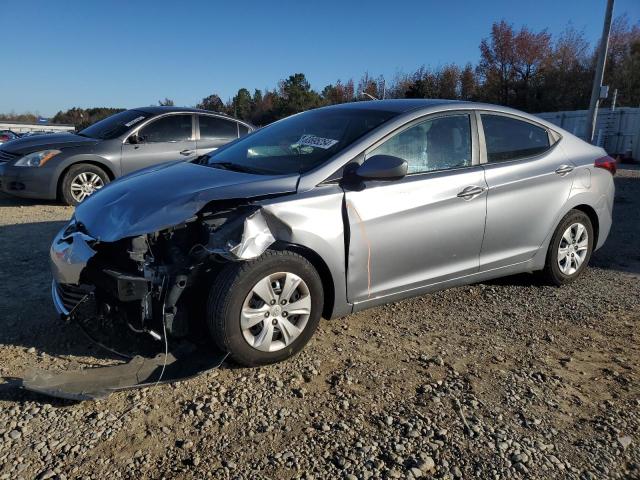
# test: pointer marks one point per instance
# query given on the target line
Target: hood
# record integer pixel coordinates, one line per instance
(35, 143)
(166, 195)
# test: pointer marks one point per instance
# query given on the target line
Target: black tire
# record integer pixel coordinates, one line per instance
(232, 286)
(75, 170)
(552, 270)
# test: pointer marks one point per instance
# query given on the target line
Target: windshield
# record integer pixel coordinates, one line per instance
(299, 143)
(114, 126)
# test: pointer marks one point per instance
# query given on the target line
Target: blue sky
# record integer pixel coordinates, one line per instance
(56, 55)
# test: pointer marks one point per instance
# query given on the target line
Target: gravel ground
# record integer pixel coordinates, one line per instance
(506, 379)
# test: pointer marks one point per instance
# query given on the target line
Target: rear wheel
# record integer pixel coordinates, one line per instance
(570, 248)
(265, 310)
(80, 181)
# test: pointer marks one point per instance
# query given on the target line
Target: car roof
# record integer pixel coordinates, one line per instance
(157, 110)
(396, 105)
(404, 105)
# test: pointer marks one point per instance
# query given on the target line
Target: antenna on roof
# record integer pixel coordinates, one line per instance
(371, 97)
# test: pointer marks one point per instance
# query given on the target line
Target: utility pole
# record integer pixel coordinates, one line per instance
(597, 79)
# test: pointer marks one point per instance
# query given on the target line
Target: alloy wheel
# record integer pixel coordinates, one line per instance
(84, 184)
(573, 248)
(275, 312)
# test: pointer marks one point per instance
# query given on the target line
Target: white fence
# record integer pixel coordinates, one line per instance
(617, 131)
(21, 127)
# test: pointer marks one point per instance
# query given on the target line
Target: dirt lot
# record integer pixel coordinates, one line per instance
(508, 379)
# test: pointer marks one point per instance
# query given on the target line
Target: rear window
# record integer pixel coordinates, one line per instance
(215, 127)
(509, 139)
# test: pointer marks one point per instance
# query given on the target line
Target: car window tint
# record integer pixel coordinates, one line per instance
(509, 139)
(214, 127)
(243, 129)
(437, 144)
(172, 128)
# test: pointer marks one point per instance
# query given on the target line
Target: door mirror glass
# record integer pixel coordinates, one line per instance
(134, 139)
(382, 167)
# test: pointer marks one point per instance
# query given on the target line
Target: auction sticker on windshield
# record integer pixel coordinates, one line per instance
(134, 121)
(318, 142)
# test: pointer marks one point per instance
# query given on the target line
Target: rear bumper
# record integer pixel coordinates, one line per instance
(27, 182)
(604, 211)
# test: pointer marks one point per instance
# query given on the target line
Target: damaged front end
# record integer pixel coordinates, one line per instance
(142, 279)
(151, 285)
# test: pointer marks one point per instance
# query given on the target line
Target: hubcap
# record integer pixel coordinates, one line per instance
(84, 184)
(275, 312)
(573, 248)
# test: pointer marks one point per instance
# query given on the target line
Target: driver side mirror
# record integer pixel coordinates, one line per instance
(135, 139)
(382, 167)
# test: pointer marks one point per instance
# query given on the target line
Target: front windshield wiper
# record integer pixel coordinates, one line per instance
(234, 167)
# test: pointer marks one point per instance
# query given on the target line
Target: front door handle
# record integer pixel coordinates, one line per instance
(186, 152)
(471, 191)
(564, 169)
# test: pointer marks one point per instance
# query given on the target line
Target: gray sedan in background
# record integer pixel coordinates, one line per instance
(70, 167)
(329, 212)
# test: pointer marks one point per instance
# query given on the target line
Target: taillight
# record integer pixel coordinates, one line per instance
(607, 163)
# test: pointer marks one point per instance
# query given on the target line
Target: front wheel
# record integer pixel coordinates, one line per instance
(265, 310)
(570, 248)
(80, 181)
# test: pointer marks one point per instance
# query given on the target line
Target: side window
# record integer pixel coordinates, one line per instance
(243, 129)
(437, 144)
(218, 128)
(509, 139)
(172, 128)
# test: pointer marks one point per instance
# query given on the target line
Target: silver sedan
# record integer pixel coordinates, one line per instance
(332, 211)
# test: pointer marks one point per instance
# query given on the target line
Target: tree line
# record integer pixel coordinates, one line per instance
(521, 68)
(518, 67)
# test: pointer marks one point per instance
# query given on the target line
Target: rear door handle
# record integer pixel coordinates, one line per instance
(564, 169)
(471, 191)
(186, 152)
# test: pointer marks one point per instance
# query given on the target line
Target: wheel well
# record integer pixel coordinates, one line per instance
(102, 166)
(322, 269)
(593, 216)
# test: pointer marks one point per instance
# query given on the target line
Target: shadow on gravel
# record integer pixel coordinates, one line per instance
(9, 201)
(27, 316)
(29, 325)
